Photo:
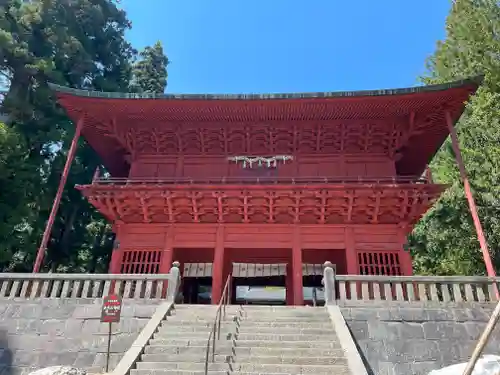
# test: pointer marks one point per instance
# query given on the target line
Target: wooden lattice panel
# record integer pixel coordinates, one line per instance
(279, 204)
(379, 263)
(141, 261)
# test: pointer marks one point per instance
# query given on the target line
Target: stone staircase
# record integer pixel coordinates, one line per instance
(254, 340)
(179, 346)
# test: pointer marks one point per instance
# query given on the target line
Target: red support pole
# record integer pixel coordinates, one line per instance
(298, 275)
(468, 193)
(428, 175)
(55, 206)
(218, 267)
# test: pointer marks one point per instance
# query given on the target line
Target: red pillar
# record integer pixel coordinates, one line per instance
(298, 282)
(55, 206)
(405, 260)
(168, 252)
(218, 266)
(428, 175)
(289, 284)
(350, 253)
(470, 198)
(167, 258)
(116, 259)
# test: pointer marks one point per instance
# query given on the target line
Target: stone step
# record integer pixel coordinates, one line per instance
(239, 359)
(196, 322)
(244, 330)
(181, 372)
(278, 336)
(202, 317)
(270, 336)
(181, 330)
(224, 335)
(185, 306)
(278, 325)
(247, 367)
(175, 351)
(255, 312)
(291, 360)
(188, 358)
(280, 317)
(199, 366)
(194, 326)
(179, 341)
(174, 372)
(292, 369)
(285, 320)
(242, 352)
(297, 312)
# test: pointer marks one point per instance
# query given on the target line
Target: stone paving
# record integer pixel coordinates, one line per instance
(407, 339)
(48, 332)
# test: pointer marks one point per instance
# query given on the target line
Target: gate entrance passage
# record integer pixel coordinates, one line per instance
(253, 283)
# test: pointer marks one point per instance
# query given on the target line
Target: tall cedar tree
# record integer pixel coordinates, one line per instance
(150, 72)
(445, 241)
(81, 44)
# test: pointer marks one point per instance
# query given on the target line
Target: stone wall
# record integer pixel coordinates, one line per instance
(47, 332)
(402, 339)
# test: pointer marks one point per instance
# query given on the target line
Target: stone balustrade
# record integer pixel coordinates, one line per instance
(81, 286)
(416, 288)
(346, 288)
(456, 289)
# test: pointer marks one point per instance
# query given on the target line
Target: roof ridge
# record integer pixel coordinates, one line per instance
(476, 81)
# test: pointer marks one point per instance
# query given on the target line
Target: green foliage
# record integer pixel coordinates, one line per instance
(14, 188)
(150, 72)
(445, 241)
(77, 43)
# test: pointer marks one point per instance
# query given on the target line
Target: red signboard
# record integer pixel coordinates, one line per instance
(111, 309)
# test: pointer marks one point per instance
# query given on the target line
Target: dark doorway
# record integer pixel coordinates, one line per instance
(197, 290)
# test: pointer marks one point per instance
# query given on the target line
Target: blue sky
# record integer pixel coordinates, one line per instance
(238, 46)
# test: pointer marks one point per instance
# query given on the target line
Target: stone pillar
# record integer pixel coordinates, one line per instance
(298, 280)
(218, 266)
(175, 282)
(329, 284)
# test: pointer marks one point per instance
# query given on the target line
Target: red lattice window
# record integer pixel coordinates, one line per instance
(379, 263)
(141, 261)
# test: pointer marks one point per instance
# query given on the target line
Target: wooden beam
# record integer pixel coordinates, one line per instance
(57, 200)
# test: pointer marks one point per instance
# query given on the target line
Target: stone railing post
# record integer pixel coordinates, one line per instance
(174, 281)
(329, 283)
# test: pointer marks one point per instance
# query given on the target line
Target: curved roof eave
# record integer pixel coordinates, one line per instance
(476, 81)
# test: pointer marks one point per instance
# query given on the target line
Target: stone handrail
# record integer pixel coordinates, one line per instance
(134, 353)
(455, 289)
(71, 285)
(337, 287)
